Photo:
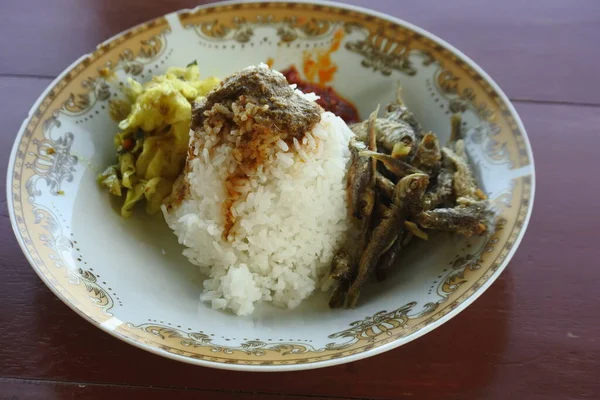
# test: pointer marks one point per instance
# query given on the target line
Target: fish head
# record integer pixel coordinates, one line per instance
(416, 184)
(430, 142)
(410, 187)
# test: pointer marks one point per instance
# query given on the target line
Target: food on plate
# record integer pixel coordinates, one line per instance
(391, 134)
(397, 111)
(273, 195)
(420, 186)
(261, 206)
(466, 218)
(152, 144)
(408, 190)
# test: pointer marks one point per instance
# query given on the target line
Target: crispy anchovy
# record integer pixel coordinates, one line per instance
(397, 110)
(397, 167)
(360, 186)
(354, 148)
(465, 219)
(369, 194)
(359, 181)
(413, 205)
(455, 127)
(361, 129)
(441, 192)
(341, 265)
(344, 266)
(428, 155)
(383, 236)
(384, 185)
(464, 183)
(389, 133)
(361, 177)
(381, 210)
(410, 188)
(339, 294)
(474, 192)
(392, 133)
(388, 259)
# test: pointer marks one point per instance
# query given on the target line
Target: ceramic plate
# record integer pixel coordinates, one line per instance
(128, 277)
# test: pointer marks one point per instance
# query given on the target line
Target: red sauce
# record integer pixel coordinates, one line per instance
(330, 100)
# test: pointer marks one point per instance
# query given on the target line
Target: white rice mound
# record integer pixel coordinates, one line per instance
(289, 222)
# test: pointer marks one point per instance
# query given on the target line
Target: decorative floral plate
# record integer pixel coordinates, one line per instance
(129, 278)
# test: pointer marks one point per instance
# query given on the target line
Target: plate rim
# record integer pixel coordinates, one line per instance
(307, 365)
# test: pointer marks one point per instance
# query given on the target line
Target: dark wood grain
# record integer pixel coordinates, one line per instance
(20, 389)
(537, 50)
(533, 335)
(537, 324)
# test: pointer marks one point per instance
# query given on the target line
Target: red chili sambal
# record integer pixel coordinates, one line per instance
(329, 99)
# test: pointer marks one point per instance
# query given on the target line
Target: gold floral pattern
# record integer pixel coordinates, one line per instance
(381, 53)
(52, 163)
(368, 329)
(461, 98)
(97, 89)
(242, 29)
(59, 245)
(255, 348)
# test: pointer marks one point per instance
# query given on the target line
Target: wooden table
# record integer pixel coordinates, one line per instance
(535, 334)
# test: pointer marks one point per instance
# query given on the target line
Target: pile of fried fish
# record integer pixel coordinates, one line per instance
(402, 183)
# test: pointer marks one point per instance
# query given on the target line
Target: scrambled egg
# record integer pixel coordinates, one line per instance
(153, 141)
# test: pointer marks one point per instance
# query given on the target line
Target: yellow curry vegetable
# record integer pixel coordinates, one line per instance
(154, 120)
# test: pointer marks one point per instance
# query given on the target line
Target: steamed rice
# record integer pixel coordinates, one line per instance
(289, 219)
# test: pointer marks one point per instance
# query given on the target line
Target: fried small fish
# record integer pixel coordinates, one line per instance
(455, 128)
(467, 219)
(388, 133)
(408, 189)
(361, 175)
(338, 297)
(392, 133)
(388, 259)
(464, 182)
(413, 205)
(441, 192)
(358, 181)
(384, 186)
(428, 155)
(341, 265)
(398, 111)
(360, 189)
(397, 167)
(372, 130)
